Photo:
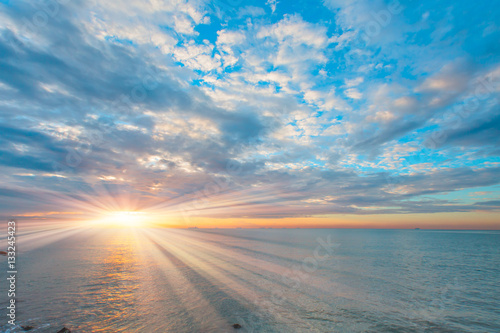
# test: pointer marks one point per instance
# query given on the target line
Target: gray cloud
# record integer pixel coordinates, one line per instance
(82, 117)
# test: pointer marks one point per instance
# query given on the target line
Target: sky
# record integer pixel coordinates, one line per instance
(232, 113)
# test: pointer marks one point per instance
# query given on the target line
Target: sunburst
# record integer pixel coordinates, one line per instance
(124, 218)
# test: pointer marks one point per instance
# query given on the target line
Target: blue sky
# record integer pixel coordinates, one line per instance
(238, 109)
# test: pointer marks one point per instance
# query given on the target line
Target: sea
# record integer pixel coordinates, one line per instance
(260, 280)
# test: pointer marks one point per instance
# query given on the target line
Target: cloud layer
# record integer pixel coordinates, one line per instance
(249, 110)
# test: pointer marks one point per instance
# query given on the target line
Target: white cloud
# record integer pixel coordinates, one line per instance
(251, 11)
(451, 78)
(197, 56)
(184, 25)
(272, 4)
(230, 37)
(353, 93)
(295, 31)
(354, 82)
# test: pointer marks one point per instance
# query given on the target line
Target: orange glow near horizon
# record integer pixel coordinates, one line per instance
(423, 221)
(232, 209)
(144, 218)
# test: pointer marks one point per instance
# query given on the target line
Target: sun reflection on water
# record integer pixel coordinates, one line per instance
(114, 287)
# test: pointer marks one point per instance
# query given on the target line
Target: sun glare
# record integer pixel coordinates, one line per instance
(125, 218)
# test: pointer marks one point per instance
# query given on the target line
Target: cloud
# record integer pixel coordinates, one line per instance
(353, 93)
(183, 106)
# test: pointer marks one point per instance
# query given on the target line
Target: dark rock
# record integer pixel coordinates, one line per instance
(27, 327)
(64, 330)
(236, 326)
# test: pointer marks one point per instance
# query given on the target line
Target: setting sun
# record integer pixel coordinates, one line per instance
(125, 218)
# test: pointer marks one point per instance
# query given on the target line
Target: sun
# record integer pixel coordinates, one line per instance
(125, 218)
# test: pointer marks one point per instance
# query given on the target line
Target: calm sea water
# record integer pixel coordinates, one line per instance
(279, 280)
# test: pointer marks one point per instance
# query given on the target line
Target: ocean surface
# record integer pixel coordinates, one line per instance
(267, 280)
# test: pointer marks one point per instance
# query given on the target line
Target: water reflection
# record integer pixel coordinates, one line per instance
(163, 280)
